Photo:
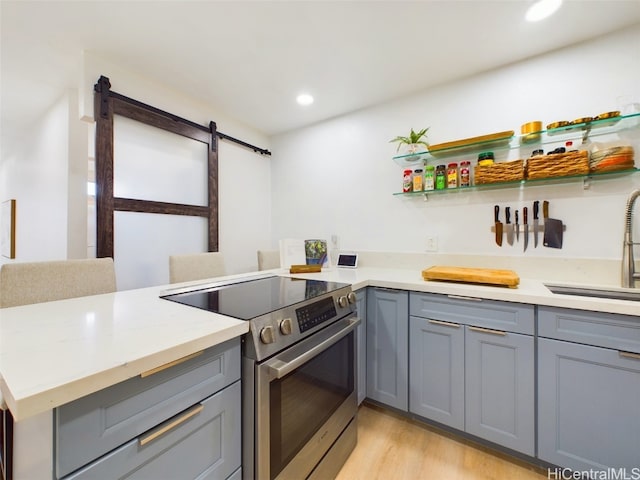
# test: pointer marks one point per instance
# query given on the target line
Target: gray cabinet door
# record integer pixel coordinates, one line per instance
(588, 406)
(387, 346)
(203, 446)
(436, 371)
(93, 425)
(361, 335)
(499, 388)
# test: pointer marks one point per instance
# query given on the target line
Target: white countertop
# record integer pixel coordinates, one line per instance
(53, 353)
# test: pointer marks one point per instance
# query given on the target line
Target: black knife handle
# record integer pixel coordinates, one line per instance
(525, 215)
(536, 209)
(496, 214)
(517, 221)
(507, 214)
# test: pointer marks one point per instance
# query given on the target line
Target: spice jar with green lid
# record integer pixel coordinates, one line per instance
(429, 177)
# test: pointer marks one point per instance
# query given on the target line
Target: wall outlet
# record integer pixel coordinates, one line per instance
(432, 244)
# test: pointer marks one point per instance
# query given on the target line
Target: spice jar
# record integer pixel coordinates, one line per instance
(429, 177)
(452, 175)
(417, 180)
(441, 177)
(407, 181)
(485, 159)
(465, 174)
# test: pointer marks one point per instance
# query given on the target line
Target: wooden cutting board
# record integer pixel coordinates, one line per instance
(305, 268)
(505, 278)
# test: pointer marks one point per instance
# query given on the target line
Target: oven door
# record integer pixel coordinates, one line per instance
(305, 397)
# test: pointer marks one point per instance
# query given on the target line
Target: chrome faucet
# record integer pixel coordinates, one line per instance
(629, 274)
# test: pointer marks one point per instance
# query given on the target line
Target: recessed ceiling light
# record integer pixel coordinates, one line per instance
(542, 9)
(304, 99)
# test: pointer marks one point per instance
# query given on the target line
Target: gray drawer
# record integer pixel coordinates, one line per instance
(610, 330)
(89, 427)
(493, 314)
(205, 446)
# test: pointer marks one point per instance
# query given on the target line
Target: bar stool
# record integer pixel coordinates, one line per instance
(25, 283)
(268, 259)
(196, 266)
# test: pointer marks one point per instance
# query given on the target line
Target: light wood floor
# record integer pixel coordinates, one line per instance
(392, 447)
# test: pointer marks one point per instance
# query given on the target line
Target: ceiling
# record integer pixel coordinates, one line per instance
(249, 59)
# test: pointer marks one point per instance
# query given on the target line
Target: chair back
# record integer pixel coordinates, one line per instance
(24, 283)
(197, 266)
(268, 259)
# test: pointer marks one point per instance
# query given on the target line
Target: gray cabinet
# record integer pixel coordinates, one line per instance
(467, 374)
(361, 340)
(588, 395)
(387, 346)
(195, 444)
(436, 380)
(499, 388)
(188, 409)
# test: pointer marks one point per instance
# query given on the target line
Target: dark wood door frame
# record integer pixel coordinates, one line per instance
(107, 104)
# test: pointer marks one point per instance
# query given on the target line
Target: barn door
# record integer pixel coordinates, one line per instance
(156, 187)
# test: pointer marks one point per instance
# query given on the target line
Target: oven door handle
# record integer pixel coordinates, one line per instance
(278, 368)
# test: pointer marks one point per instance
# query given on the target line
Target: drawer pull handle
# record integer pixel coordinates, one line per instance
(635, 356)
(170, 364)
(445, 324)
(487, 330)
(460, 297)
(170, 425)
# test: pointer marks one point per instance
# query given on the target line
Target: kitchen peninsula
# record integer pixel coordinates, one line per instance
(59, 352)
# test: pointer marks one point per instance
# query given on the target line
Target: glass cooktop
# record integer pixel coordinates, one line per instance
(253, 298)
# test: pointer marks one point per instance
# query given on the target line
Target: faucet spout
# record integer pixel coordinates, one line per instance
(629, 274)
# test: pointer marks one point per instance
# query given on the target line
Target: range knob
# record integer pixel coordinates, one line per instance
(266, 335)
(285, 326)
(343, 301)
(352, 298)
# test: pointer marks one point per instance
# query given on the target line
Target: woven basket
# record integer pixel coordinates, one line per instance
(499, 172)
(558, 165)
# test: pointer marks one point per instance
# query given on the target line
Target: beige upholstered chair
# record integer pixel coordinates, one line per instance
(268, 259)
(34, 282)
(197, 266)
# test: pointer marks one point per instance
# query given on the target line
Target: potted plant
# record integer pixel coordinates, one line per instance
(413, 141)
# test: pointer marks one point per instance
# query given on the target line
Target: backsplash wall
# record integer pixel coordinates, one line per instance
(338, 177)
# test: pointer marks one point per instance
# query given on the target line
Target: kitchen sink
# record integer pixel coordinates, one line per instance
(598, 292)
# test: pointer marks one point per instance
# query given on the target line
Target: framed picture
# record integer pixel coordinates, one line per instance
(8, 229)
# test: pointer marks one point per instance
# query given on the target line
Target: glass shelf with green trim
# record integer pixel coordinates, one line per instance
(577, 131)
(525, 183)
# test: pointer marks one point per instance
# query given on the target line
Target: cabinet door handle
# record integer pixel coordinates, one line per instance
(170, 425)
(460, 297)
(446, 324)
(635, 356)
(487, 330)
(170, 364)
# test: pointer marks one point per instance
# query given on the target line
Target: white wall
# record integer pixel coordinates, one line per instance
(338, 177)
(35, 171)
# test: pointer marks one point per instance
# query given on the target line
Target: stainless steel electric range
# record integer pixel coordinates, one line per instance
(298, 373)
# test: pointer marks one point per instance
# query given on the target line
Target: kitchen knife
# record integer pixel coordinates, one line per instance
(517, 227)
(498, 225)
(552, 229)
(509, 225)
(525, 216)
(536, 207)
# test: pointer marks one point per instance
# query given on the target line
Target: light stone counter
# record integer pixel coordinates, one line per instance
(528, 291)
(55, 352)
